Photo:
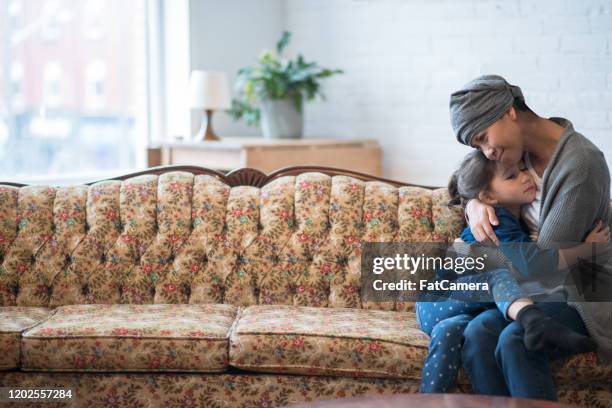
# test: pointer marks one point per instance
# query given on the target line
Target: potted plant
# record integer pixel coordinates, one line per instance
(273, 92)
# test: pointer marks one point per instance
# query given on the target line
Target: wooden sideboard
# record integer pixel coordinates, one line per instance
(268, 155)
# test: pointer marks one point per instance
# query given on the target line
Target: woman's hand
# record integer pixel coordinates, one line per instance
(480, 217)
(600, 234)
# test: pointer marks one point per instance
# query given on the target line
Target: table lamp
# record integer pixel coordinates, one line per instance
(209, 90)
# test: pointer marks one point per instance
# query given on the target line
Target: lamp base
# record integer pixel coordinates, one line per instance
(206, 131)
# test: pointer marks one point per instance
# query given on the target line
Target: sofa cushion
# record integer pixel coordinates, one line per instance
(355, 342)
(14, 320)
(581, 369)
(129, 337)
(328, 341)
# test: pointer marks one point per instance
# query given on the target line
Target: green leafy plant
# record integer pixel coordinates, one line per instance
(277, 78)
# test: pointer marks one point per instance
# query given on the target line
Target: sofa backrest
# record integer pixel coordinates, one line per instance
(184, 238)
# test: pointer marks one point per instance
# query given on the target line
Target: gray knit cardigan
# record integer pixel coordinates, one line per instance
(575, 194)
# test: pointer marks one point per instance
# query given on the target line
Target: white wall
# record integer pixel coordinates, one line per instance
(403, 58)
(227, 35)
(175, 69)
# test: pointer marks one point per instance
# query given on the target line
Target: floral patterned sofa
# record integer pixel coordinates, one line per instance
(187, 287)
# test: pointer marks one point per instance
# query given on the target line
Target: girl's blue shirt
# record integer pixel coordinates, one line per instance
(509, 228)
(525, 255)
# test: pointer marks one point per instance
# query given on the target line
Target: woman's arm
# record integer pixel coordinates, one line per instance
(570, 256)
(481, 217)
(516, 248)
(533, 261)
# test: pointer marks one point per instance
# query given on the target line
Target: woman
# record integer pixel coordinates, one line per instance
(444, 315)
(573, 185)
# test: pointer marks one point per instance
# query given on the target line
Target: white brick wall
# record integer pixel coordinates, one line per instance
(403, 58)
(228, 35)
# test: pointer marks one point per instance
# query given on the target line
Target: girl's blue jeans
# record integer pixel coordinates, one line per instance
(444, 317)
(496, 360)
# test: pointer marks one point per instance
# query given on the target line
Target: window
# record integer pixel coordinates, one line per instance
(15, 8)
(94, 20)
(72, 106)
(3, 132)
(52, 81)
(95, 76)
(17, 84)
(51, 28)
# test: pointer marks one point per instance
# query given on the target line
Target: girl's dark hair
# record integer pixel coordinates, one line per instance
(473, 176)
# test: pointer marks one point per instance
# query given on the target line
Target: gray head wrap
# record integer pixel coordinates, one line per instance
(479, 104)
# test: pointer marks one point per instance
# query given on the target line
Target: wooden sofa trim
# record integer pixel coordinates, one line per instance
(252, 177)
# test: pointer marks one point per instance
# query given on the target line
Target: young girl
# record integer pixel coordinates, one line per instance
(444, 316)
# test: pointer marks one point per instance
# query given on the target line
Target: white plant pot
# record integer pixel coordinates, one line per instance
(280, 119)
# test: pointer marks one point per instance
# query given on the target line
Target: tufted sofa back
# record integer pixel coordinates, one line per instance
(184, 238)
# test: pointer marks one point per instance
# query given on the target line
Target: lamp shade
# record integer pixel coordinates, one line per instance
(209, 90)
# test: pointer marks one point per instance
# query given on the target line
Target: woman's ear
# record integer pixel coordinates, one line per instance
(487, 197)
(512, 113)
